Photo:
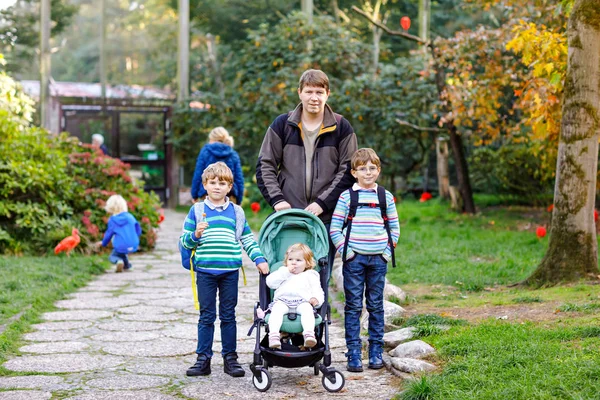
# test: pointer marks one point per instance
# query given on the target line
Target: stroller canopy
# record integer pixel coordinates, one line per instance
(284, 228)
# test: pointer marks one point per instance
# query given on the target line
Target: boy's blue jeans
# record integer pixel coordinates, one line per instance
(364, 274)
(115, 257)
(227, 286)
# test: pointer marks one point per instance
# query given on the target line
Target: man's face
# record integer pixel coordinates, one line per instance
(313, 99)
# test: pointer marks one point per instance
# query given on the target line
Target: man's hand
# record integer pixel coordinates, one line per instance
(314, 208)
(313, 301)
(200, 227)
(263, 267)
(282, 205)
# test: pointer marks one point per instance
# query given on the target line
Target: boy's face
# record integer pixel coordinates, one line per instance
(217, 189)
(313, 99)
(366, 175)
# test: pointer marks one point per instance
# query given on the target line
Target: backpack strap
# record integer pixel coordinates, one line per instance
(240, 221)
(386, 222)
(199, 216)
(349, 218)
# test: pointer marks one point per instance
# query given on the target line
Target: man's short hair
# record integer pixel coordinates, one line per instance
(314, 78)
(218, 170)
(363, 156)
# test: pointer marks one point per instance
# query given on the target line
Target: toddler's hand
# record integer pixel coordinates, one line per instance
(263, 267)
(98, 244)
(200, 227)
(313, 301)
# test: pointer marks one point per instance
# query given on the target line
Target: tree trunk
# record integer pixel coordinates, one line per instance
(572, 251)
(441, 149)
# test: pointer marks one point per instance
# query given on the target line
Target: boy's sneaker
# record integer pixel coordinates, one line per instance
(120, 266)
(201, 367)
(231, 366)
(274, 340)
(309, 340)
(127, 267)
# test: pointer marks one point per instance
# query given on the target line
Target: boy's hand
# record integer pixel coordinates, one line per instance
(263, 267)
(200, 227)
(313, 301)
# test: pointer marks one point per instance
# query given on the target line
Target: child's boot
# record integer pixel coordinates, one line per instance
(354, 360)
(309, 340)
(375, 356)
(231, 366)
(120, 265)
(274, 340)
(201, 367)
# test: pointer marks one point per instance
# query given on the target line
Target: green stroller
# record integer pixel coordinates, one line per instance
(279, 231)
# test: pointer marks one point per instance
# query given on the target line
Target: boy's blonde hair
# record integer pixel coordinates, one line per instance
(115, 204)
(306, 253)
(363, 156)
(314, 78)
(220, 134)
(218, 170)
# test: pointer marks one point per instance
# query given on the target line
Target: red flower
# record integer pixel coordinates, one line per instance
(425, 196)
(145, 220)
(255, 207)
(161, 215)
(595, 215)
(550, 207)
(540, 232)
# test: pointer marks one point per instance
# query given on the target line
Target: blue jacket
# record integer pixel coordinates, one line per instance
(211, 153)
(125, 231)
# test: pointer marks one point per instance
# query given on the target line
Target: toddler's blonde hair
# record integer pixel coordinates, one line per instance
(218, 170)
(306, 253)
(220, 134)
(115, 204)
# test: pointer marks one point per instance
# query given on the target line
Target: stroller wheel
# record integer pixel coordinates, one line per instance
(334, 382)
(316, 369)
(265, 381)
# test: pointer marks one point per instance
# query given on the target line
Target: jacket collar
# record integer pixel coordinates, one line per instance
(356, 187)
(222, 207)
(295, 117)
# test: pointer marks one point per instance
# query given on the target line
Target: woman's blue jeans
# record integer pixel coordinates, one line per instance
(364, 274)
(227, 286)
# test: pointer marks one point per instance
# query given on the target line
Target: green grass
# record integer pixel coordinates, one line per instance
(30, 286)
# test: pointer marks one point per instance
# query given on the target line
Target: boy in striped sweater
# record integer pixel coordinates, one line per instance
(217, 261)
(367, 250)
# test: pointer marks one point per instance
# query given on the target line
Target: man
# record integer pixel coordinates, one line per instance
(304, 160)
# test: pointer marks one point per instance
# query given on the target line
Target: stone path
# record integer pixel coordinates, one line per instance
(133, 335)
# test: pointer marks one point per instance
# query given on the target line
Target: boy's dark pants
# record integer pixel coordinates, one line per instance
(360, 273)
(115, 257)
(207, 285)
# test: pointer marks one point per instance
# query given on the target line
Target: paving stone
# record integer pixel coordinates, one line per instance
(124, 326)
(137, 275)
(163, 347)
(412, 349)
(151, 317)
(185, 303)
(150, 291)
(33, 382)
(145, 297)
(54, 347)
(167, 368)
(147, 309)
(411, 365)
(128, 381)
(164, 283)
(57, 363)
(181, 331)
(77, 315)
(25, 395)
(126, 336)
(52, 336)
(87, 295)
(101, 303)
(58, 326)
(123, 395)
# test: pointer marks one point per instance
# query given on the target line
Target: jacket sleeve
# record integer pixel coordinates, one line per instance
(197, 179)
(138, 229)
(267, 166)
(343, 178)
(188, 239)
(110, 231)
(238, 178)
(275, 279)
(317, 290)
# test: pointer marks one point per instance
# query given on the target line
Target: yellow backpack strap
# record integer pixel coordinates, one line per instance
(244, 275)
(194, 286)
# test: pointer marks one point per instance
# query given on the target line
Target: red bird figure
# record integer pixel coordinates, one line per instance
(69, 243)
(255, 207)
(540, 232)
(161, 215)
(425, 196)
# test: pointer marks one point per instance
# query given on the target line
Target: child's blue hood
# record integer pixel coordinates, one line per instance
(123, 218)
(219, 150)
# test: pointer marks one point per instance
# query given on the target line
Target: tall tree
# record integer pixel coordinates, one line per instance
(573, 250)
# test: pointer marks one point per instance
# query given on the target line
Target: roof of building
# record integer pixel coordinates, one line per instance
(94, 91)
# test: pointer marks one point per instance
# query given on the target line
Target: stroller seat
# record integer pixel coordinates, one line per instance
(288, 325)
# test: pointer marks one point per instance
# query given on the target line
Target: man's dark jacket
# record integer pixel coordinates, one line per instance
(281, 168)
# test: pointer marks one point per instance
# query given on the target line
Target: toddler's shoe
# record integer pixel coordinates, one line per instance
(120, 265)
(274, 340)
(309, 340)
(201, 367)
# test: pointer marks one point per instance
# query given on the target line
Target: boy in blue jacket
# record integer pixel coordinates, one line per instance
(124, 231)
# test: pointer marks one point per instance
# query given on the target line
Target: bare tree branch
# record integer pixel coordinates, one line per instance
(388, 30)
(419, 128)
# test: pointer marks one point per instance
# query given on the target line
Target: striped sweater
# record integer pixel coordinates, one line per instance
(217, 251)
(368, 235)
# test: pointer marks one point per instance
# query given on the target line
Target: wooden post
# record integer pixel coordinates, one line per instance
(103, 51)
(441, 150)
(424, 14)
(45, 70)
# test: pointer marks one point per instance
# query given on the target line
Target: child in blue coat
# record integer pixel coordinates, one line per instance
(123, 230)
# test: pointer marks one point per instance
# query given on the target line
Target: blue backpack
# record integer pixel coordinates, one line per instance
(188, 254)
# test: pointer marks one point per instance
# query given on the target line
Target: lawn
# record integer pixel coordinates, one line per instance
(30, 285)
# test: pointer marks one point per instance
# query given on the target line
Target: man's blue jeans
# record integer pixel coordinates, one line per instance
(227, 286)
(364, 274)
(115, 257)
